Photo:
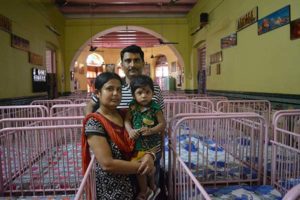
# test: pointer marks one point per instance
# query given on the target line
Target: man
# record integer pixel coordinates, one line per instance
(132, 62)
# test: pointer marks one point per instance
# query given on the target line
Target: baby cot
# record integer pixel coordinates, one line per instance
(67, 110)
(50, 103)
(176, 106)
(82, 100)
(220, 148)
(41, 160)
(261, 107)
(285, 161)
(189, 185)
(23, 111)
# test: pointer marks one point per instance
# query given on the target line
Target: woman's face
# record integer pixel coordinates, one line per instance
(110, 94)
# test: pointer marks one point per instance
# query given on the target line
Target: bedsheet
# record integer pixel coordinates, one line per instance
(50, 172)
(213, 161)
(58, 197)
(239, 192)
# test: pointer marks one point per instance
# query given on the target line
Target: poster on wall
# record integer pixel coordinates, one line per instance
(229, 41)
(5, 23)
(247, 19)
(216, 57)
(275, 20)
(35, 59)
(218, 69)
(19, 43)
(295, 29)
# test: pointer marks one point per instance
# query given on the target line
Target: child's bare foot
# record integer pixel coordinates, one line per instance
(145, 196)
(156, 191)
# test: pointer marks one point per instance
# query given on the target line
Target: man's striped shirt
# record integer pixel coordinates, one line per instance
(127, 96)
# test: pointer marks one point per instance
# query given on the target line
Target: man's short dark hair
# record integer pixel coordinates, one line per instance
(132, 49)
(141, 81)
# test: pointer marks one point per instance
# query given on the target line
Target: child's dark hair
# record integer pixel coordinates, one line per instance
(141, 81)
(104, 77)
(132, 49)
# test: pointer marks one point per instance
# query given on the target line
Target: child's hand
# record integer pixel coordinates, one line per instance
(146, 131)
(134, 133)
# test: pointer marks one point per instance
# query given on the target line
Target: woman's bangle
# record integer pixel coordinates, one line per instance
(152, 154)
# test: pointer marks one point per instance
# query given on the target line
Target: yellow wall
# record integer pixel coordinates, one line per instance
(29, 19)
(78, 32)
(267, 63)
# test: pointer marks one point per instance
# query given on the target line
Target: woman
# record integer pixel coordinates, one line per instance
(106, 135)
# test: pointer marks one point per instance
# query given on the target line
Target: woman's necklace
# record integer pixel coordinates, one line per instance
(113, 116)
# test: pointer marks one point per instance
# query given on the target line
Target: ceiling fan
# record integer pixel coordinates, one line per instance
(171, 2)
(93, 48)
(163, 42)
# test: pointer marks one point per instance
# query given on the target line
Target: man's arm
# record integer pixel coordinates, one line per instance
(92, 105)
(89, 108)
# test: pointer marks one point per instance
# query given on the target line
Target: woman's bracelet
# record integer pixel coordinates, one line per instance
(152, 154)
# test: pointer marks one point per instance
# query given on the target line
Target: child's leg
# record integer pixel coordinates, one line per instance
(144, 192)
(151, 179)
(142, 181)
(152, 184)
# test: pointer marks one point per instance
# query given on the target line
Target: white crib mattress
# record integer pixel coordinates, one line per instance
(239, 192)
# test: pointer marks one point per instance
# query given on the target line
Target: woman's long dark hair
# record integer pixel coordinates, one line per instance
(104, 77)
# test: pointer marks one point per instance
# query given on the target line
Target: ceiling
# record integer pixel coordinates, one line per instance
(115, 8)
(124, 8)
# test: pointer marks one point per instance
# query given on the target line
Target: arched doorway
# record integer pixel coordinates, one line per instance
(114, 63)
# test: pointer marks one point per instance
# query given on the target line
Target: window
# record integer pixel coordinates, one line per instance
(95, 60)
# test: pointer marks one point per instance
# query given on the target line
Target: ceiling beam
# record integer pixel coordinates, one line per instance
(128, 2)
(124, 9)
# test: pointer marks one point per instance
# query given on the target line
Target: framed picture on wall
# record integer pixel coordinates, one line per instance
(229, 41)
(216, 57)
(35, 59)
(5, 23)
(275, 20)
(218, 69)
(247, 19)
(208, 73)
(295, 29)
(19, 43)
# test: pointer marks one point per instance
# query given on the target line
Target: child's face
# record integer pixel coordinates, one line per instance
(143, 95)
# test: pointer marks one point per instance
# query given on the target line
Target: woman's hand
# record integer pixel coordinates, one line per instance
(147, 164)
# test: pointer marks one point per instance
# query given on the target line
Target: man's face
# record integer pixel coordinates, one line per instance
(132, 64)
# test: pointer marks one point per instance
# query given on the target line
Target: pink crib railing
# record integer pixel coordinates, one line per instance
(40, 160)
(23, 111)
(50, 103)
(87, 188)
